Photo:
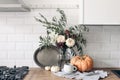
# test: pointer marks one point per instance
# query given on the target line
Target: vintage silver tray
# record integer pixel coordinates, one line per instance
(47, 56)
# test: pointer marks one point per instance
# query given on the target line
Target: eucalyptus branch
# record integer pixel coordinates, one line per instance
(46, 22)
(63, 16)
(57, 28)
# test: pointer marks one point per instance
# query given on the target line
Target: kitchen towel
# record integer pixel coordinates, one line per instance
(93, 75)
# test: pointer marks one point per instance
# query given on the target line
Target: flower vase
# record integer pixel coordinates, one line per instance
(69, 53)
(66, 55)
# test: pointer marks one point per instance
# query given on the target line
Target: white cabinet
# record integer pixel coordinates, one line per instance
(101, 12)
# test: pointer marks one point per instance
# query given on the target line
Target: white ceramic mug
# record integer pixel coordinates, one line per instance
(68, 68)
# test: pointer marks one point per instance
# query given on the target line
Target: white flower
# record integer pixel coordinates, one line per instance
(53, 37)
(70, 42)
(60, 38)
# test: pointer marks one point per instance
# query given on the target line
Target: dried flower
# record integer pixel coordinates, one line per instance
(67, 32)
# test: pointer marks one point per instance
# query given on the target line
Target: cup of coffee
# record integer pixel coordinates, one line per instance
(68, 68)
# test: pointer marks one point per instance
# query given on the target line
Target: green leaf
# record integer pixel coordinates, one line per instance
(58, 25)
(54, 19)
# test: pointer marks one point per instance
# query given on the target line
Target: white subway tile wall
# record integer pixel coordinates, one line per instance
(104, 45)
(19, 35)
(19, 38)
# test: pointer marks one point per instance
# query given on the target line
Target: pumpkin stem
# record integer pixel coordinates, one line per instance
(82, 57)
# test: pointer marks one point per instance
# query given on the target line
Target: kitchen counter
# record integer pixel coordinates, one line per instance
(40, 74)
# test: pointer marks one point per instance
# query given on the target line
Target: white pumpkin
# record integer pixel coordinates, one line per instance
(55, 68)
(47, 68)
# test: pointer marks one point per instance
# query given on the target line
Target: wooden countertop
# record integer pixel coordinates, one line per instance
(40, 74)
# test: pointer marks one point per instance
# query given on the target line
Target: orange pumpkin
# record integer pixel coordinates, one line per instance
(83, 63)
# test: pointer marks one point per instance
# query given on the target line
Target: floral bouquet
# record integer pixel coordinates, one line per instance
(61, 35)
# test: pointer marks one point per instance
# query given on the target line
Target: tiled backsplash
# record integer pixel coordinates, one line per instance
(19, 34)
(104, 45)
(19, 38)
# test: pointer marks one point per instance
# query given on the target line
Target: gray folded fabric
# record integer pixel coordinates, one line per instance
(93, 75)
